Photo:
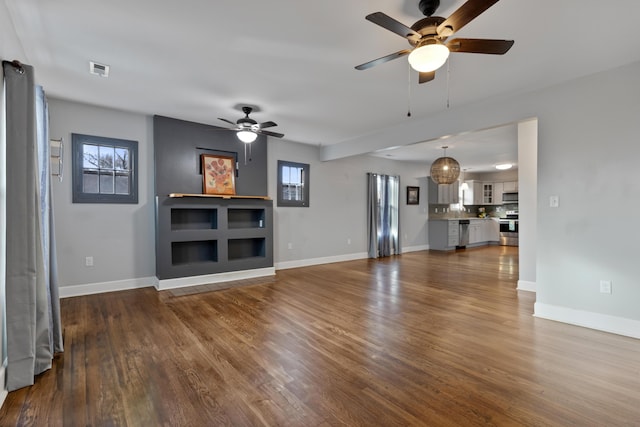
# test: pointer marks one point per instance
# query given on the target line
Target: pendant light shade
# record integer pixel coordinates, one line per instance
(445, 170)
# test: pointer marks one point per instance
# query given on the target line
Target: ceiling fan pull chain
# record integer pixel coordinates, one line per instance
(448, 78)
(408, 91)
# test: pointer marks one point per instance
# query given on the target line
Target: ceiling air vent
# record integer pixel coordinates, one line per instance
(98, 69)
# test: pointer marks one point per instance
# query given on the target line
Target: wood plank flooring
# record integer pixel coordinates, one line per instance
(425, 339)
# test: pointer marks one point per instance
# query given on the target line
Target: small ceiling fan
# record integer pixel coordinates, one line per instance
(429, 37)
(248, 129)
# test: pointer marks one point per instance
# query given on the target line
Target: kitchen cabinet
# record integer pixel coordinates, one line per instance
(510, 186)
(498, 189)
(444, 234)
(443, 194)
(487, 193)
(473, 194)
(476, 231)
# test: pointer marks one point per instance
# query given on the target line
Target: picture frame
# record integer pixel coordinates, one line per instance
(218, 174)
(413, 195)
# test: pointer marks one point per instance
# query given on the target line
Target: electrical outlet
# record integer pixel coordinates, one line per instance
(290, 245)
(348, 241)
(605, 286)
(88, 261)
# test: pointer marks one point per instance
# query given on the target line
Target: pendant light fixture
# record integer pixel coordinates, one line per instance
(445, 170)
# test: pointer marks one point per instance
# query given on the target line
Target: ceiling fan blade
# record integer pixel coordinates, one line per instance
(274, 134)
(268, 124)
(227, 121)
(387, 22)
(426, 76)
(461, 17)
(488, 46)
(384, 59)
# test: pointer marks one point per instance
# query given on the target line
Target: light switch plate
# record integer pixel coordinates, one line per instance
(554, 201)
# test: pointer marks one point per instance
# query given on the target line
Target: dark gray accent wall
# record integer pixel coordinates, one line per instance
(198, 236)
(178, 145)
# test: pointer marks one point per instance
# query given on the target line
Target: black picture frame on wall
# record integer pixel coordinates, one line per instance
(413, 195)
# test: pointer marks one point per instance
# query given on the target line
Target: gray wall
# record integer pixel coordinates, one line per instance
(337, 211)
(587, 155)
(119, 237)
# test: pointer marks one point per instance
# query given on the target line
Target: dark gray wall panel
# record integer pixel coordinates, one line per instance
(178, 145)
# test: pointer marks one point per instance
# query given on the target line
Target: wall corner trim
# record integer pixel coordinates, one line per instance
(587, 319)
(3, 390)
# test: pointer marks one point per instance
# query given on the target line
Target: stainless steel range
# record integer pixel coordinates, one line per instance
(509, 229)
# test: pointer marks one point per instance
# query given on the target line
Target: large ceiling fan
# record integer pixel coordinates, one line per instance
(248, 129)
(429, 37)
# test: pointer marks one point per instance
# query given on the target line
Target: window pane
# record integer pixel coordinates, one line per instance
(106, 158)
(122, 183)
(89, 156)
(121, 159)
(106, 182)
(90, 181)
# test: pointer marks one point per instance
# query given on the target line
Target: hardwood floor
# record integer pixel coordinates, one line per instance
(425, 338)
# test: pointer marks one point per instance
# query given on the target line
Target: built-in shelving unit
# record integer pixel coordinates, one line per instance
(207, 235)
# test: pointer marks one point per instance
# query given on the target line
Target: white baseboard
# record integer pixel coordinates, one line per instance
(415, 248)
(3, 389)
(524, 285)
(587, 319)
(317, 261)
(99, 288)
(183, 282)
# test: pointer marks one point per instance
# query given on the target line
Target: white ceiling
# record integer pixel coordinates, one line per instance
(200, 59)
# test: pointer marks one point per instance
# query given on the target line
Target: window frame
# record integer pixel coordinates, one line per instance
(78, 195)
(306, 172)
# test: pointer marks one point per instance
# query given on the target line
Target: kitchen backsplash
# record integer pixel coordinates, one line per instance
(472, 211)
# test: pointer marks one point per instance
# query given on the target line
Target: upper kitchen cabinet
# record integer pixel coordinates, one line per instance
(510, 187)
(498, 189)
(443, 194)
(473, 194)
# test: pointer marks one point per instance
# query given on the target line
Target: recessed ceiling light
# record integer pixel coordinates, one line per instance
(504, 166)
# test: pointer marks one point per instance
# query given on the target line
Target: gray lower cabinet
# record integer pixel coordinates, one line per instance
(198, 236)
(444, 233)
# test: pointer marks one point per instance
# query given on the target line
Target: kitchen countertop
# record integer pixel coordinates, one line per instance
(458, 219)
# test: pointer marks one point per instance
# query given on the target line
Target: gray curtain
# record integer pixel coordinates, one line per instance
(33, 315)
(383, 198)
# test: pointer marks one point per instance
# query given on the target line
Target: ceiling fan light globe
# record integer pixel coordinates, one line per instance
(246, 136)
(428, 57)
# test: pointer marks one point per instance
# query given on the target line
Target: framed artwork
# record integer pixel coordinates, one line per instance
(413, 195)
(218, 174)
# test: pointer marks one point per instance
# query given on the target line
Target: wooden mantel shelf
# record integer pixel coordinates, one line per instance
(219, 196)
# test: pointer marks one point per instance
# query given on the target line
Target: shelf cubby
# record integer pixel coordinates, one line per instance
(245, 218)
(245, 248)
(194, 219)
(183, 253)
